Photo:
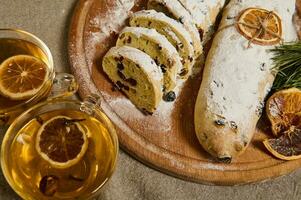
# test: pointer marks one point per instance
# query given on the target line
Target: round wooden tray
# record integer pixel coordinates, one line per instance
(165, 141)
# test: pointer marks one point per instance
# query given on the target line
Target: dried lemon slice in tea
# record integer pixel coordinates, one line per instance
(286, 147)
(260, 26)
(284, 110)
(22, 76)
(61, 141)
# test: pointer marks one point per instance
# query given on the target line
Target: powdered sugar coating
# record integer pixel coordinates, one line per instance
(140, 58)
(203, 12)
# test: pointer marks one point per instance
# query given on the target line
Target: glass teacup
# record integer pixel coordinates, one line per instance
(27, 165)
(16, 45)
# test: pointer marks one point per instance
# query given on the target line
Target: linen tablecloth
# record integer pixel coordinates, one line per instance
(49, 20)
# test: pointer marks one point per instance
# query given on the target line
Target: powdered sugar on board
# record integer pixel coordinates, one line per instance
(106, 24)
(161, 119)
(101, 28)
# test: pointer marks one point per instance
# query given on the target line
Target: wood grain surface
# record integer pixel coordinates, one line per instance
(165, 141)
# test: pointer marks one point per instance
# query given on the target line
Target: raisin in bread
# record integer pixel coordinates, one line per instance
(136, 74)
(174, 31)
(204, 14)
(158, 48)
(175, 10)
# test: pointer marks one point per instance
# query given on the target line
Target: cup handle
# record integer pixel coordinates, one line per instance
(90, 103)
(64, 85)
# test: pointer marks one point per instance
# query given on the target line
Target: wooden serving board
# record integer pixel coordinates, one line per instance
(165, 141)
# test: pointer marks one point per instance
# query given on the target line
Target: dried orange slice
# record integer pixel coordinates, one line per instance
(22, 76)
(260, 26)
(287, 146)
(284, 110)
(61, 141)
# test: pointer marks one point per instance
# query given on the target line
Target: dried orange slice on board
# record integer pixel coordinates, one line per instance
(22, 76)
(61, 141)
(284, 110)
(260, 26)
(287, 146)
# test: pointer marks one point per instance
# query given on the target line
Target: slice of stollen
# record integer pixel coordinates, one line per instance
(174, 32)
(175, 10)
(158, 48)
(136, 74)
(204, 14)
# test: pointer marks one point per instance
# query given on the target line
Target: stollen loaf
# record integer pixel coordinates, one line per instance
(238, 76)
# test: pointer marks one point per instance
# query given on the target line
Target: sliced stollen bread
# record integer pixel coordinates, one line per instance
(204, 14)
(174, 31)
(136, 74)
(158, 48)
(175, 10)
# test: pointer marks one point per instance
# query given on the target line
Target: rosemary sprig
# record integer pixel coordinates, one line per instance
(287, 62)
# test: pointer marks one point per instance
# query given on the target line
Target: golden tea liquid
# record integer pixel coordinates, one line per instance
(27, 168)
(13, 47)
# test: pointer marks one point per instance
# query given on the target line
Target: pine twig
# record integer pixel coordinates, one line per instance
(287, 61)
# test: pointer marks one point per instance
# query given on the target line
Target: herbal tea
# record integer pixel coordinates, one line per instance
(23, 72)
(63, 154)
